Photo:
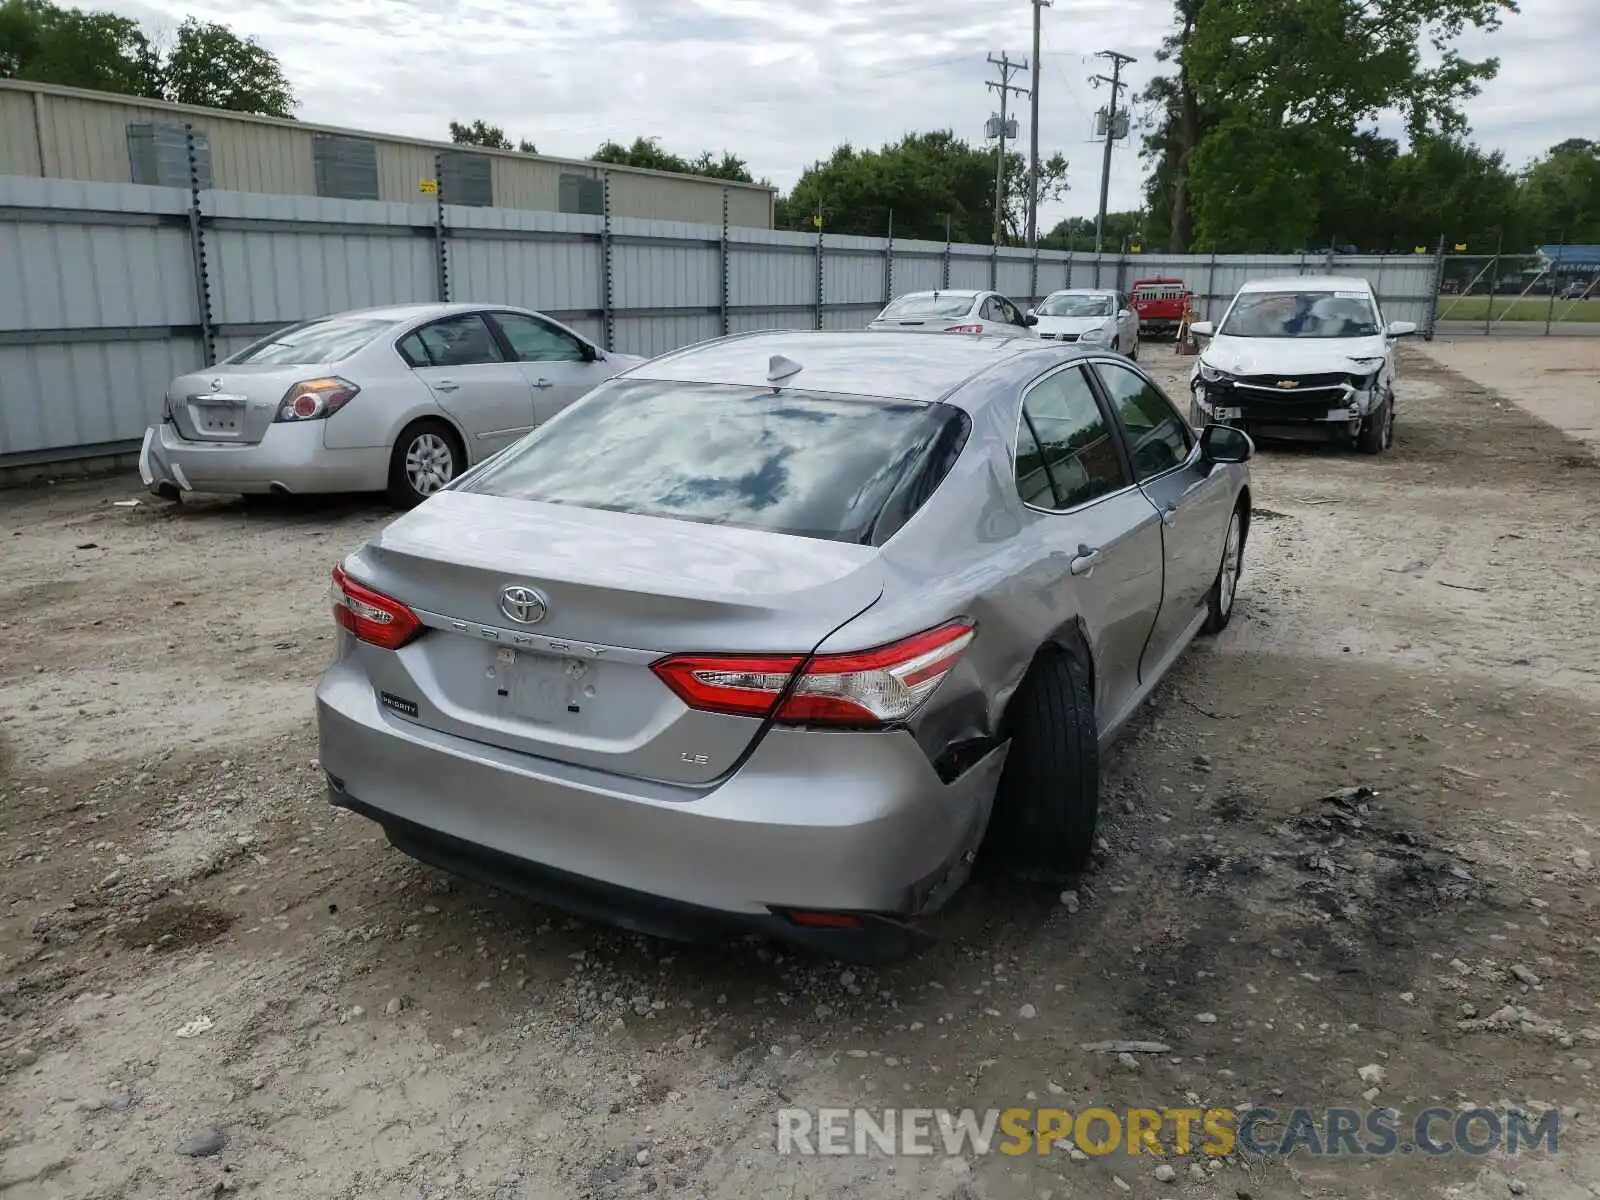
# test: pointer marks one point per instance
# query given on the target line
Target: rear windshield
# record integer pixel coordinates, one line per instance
(324, 341)
(928, 304)
(802, 463)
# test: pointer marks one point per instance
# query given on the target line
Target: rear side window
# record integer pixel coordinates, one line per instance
(1158, 438)
(846, 469)
(1066, 455)
(326, 341)
(462, 341)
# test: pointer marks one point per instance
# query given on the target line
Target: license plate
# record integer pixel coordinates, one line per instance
(541, 687)
(1228, 414)
(1338, 414)
(218, 418)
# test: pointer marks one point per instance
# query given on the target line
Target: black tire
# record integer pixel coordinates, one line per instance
(1377, 431)
(1048, 800)
(428, 443)
(1225, 587)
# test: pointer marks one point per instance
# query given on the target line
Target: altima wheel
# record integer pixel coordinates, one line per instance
(425, 458)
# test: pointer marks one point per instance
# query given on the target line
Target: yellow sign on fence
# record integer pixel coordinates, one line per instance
(427, 186)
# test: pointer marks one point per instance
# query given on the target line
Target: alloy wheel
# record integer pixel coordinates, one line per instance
(430, 463)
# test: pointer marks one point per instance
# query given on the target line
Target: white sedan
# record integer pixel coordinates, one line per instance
(399, 399)
(1100, 317)
(954, 311)
(1303, 357)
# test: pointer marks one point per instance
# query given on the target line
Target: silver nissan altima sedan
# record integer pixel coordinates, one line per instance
(399, 399)
(776, 631)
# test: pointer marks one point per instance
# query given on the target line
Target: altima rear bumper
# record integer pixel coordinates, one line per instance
(289, 458)
(839, 822)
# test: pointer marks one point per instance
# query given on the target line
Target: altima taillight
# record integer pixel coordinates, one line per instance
(965, 329)
(863, 688)
(315, 399)
(374, 618)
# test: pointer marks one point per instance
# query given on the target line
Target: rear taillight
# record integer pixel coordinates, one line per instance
(864, 688)
(373, 617)
(965, 329)
(315, 399)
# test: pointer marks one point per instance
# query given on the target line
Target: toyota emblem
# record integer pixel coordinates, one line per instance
(523, 605)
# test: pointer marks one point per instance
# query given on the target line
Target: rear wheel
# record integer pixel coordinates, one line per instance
(1377, 431)
(1048, 800)
(426, 457)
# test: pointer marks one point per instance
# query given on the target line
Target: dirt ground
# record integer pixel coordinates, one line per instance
(212, 982)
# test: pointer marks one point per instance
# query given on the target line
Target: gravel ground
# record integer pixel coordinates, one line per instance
(212, 982)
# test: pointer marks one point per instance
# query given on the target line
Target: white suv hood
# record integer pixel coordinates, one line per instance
(1293, 356)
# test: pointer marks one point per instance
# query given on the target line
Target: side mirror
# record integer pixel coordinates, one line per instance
(1225, 444)
(1203, 329)
(1399, 329)
(1031, 319)
(591, 353)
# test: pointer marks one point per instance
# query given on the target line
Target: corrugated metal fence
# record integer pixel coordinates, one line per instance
(109, 290)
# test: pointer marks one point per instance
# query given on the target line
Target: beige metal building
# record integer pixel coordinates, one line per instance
(66, 133)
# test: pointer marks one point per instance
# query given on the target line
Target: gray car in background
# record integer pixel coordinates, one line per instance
(777, 631)
(954, 311)
(399, 399)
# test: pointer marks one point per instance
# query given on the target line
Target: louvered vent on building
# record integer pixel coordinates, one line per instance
(345, 167)
(158, 154)
(581, 194)
(465, 178)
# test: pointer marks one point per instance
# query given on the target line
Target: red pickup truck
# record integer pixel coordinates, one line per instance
(1161, 303)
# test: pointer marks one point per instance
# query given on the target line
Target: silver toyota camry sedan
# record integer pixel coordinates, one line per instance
(778, 631)
(401, 399)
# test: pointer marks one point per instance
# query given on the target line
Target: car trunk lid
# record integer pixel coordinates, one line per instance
(617, 592)
(233, 403)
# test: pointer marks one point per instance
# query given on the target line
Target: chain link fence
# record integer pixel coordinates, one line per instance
(1553, 290)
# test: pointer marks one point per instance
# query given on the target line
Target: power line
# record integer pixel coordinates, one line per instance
(1005, 87)
(1118, 60)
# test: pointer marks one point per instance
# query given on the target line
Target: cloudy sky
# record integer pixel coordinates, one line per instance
(781, 82)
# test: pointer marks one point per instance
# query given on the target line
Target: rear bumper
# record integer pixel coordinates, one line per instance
(847, 822)
(289, 458)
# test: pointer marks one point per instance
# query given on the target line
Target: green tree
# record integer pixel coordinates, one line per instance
(211, 65)
(934, 183)
(1122, 228)
(207, 64)
(481, 133)
(41, 43)
(1271, 98)
(1560, 198)
(648, 153)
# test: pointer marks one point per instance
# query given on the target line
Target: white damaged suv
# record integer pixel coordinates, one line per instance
(1301, 357)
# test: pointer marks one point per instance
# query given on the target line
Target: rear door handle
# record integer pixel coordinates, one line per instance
(541, 384)
(446, 385)
(1084, 562)
(1169, 514)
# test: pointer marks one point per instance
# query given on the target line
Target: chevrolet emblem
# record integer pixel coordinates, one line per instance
(1288, 383)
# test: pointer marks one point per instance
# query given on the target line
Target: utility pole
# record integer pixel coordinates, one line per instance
(1033, 134)
(1005, 87)
(1118, 60)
